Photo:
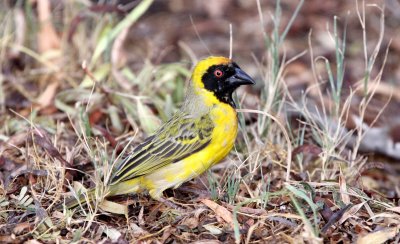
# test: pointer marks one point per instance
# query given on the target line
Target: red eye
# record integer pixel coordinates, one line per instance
(218, 73)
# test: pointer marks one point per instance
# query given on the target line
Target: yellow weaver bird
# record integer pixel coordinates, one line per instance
(197, 137)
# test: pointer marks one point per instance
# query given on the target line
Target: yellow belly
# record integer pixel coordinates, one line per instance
(223, 139)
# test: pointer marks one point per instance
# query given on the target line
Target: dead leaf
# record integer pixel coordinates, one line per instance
(137, 231)
(191, 222)
(95, 116)
(167, 233)
(42, 140)
(343, 189)
(7, 239)
(46, 98)
(207, 242)
(217, 9)
(140, 217)
(351, 212)
(32, 242)
(382, 88)
(326, 211)
(113, 207)
(22, 227)
(20, 31)
(335, 217)
(14, 141)
(49, 110)
(118, 59)
(47, 37)
(246, 210)
(379, 236)
(395, 133)
(390, 216)
(112, 233)
(310, 149)
(219, 210)
(213, 229)
(289, 239)
(110, 138)
(395, 209)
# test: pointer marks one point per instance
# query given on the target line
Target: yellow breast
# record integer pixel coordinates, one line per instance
(224, 133)
(223, 139)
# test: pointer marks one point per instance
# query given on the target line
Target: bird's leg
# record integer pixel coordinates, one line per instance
(157, 195)
(170, 204)
(199, 192)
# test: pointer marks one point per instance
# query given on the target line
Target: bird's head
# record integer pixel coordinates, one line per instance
(219, 77)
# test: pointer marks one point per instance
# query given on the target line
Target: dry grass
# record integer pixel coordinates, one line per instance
(73, 102)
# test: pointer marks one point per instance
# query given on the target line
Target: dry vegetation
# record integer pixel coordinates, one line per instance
(317, 158)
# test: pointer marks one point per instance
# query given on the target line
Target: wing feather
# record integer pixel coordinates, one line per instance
(178, 138)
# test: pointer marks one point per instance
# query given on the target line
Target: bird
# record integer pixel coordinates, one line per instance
(199, 135)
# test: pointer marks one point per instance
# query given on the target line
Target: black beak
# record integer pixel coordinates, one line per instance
(240, 78)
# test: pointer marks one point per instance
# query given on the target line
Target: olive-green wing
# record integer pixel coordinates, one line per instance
(178, 138)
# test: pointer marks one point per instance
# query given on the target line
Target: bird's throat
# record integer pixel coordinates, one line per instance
(226, 97)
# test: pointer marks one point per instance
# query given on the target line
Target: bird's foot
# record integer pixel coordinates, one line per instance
(170, 204)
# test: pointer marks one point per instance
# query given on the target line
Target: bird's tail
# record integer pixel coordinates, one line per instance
(74, 201)
(129, 186)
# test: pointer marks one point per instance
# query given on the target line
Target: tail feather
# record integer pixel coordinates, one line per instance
(125, 187)
(74, 201)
